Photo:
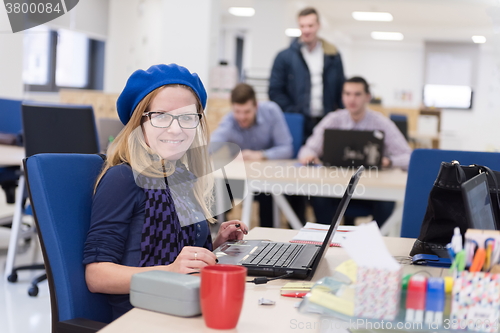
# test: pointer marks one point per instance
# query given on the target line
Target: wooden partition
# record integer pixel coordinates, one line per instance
(104, 104)
(417, 139)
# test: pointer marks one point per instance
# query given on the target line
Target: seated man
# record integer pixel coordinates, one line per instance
(260, 130)
(357, 116)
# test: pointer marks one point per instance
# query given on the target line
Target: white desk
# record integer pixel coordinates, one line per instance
(280, 177)
(257, 318)
(11, 155)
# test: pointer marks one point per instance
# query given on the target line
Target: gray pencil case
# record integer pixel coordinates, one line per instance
(166, 292)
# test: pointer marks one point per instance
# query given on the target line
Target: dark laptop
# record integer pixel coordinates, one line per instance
(268, 258)
(477, 201)
(351, 148)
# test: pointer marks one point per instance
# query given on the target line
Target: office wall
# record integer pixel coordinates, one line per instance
(148, 32)
(89, 16)
(394, 70)
(477, 129)
(11, 62)
(133, 40)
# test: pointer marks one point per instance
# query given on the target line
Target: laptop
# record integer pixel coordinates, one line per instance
(297, 261)
(108, 129)
(351, 148)
(477, 201)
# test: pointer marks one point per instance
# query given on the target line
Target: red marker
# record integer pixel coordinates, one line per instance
(415, 298)
(297, 295)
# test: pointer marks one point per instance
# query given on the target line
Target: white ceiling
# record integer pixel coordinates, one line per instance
(444, 20)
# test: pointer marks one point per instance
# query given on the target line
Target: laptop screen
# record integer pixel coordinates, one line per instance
(478, 203)
(337, 217)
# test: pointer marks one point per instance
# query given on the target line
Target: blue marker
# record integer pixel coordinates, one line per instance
(451, 253)
(434, 302)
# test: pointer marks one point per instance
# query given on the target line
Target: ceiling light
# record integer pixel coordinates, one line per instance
(372, 16)
(293, 32)
(380, 35)
(479, 39)
(242, 11)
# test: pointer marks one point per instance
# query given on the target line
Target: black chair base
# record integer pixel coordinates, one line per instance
(79, 325)
(33, 289)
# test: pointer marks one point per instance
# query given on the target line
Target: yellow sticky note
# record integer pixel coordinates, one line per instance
(344, 304)
(349, 269)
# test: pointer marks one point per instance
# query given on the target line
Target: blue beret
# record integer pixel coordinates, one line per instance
(141, 83)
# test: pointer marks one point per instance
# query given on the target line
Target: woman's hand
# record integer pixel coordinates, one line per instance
(230, 230)
(192, 259)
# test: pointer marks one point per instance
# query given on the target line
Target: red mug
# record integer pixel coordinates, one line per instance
(221, 294)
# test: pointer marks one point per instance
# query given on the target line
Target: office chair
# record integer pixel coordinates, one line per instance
(49, 128)
(295, 122)
(10, 123)
(60, 188)
(422, 172)
(401, 122)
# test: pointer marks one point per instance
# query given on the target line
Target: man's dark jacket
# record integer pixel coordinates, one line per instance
(290, 82)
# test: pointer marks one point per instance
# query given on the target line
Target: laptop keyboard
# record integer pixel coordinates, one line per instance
(273, 255)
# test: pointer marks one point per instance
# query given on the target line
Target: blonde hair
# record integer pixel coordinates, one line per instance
(130, 147)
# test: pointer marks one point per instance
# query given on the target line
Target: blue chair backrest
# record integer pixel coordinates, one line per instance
(401, 121)
(10, 116)
(61, 188)
(422, 172)
(295, 122)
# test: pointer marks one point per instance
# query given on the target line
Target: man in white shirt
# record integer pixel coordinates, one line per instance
(357, 116)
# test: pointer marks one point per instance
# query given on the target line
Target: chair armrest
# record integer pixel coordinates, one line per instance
(79, 325)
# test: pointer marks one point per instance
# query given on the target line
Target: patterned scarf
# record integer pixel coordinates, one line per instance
(169, 224)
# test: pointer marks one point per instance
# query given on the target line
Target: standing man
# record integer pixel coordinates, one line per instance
(307, 77)
(260, 130)
(356, 116)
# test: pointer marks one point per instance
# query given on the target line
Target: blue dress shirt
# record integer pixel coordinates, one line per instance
(269, 133)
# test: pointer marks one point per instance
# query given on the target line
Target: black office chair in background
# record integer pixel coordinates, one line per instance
(10, 128)
(49, 128)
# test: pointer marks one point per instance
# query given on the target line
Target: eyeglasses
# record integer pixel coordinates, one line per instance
(164, 119)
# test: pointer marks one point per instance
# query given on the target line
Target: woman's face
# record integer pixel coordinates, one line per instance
(172, 142)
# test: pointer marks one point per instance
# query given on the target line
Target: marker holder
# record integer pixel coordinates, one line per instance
(476, 302)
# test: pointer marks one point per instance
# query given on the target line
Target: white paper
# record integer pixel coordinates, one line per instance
(316, 232)
(366, 247)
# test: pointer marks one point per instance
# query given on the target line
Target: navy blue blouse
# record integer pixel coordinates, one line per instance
(118, 215)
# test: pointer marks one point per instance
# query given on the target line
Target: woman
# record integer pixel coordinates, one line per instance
(152, 199)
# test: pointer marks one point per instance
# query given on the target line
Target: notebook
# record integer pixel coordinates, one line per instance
(296, 261)
(314, 233)
(351, 148)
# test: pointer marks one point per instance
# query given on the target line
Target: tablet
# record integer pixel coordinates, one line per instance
(477, 202)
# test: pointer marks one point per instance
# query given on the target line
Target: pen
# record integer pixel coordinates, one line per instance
(297, 295)
(489, 251)
(238, 226)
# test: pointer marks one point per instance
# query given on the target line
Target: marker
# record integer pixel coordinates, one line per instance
(434, 303)
(415, 299)
(478, 262)
(451, 253)
(297, 295)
